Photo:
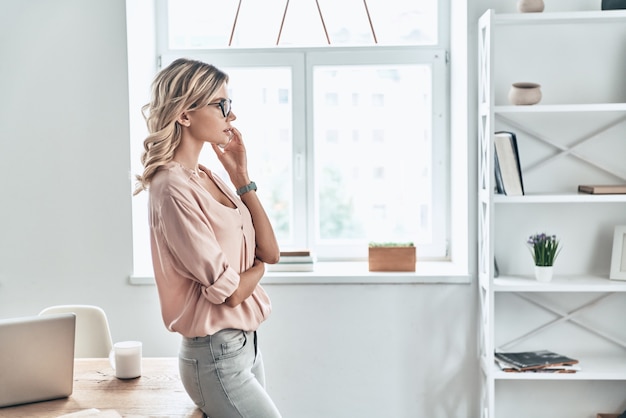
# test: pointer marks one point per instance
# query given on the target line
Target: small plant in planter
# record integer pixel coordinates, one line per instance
(544, 249)
(391, 256)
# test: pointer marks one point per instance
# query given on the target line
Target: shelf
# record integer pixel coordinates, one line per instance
(561, 198)
(578, 283)
(593, 368)
(561, 108)
(595, 16)
(571, 303)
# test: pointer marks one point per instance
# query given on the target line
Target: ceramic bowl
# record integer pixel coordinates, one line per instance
(525, 93)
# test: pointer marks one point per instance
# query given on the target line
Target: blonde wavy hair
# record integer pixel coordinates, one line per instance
(182, 86)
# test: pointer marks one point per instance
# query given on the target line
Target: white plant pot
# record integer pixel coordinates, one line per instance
(530, 6)
(543, 273)
(525, 93)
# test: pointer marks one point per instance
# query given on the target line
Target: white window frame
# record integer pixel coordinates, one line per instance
(453, 183)
(302, 61)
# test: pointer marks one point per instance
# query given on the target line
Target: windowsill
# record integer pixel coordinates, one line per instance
(357, 273)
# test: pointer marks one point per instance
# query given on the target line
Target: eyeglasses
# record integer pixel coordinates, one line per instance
(224, 105)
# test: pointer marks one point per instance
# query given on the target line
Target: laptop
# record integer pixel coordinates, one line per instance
(36, 358)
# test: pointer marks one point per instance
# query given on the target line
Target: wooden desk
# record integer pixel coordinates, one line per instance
(157, 393)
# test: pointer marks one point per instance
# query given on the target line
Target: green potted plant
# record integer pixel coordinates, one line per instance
(544, 249)
(391, 256)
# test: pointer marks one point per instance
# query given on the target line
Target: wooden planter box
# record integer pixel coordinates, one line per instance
(391, 258)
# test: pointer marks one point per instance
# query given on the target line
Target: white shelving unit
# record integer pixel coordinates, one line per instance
(586, 290)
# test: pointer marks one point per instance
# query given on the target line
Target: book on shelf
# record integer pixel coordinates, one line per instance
(602, 188)
(300, 260)
(542, 361)
(295, 259)
(290, 267)
(295, 253)
(508, 170)
(299, 256)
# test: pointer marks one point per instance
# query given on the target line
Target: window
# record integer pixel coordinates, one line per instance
(344, 112)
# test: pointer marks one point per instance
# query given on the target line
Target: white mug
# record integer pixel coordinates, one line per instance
(125, 358)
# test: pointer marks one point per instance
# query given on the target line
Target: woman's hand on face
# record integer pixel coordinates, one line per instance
(234, 159)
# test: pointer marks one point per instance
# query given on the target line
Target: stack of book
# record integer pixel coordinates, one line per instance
(300, 260)
(543, 361)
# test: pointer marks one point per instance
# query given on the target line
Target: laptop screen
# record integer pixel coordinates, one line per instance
(36, 358)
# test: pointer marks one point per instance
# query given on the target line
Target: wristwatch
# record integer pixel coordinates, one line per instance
(245, 189)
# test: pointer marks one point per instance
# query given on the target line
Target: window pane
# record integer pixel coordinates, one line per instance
(201, 24)
(262, 103)
(373, 153)
(346, 22)
(258, 23)
(405, 22)
(302, 25)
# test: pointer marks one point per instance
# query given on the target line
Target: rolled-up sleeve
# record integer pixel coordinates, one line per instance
(196, 253)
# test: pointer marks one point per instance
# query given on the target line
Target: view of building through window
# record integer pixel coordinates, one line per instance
(362, 159)
(373, 135)
(262, 103)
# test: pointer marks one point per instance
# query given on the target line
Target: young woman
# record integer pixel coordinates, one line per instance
(209, 245)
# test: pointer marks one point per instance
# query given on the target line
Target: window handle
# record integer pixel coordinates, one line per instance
(299, 166)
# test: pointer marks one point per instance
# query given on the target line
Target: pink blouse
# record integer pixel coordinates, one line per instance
(199, 247)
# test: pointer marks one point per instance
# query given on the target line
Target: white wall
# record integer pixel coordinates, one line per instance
(330, 350)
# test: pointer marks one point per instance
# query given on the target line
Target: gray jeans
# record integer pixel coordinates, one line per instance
(224, 376)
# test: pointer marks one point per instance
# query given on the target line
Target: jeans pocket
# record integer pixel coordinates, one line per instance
(190, 377)
(232, 346)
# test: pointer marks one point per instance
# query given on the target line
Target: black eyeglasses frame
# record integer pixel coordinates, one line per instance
(224, 107)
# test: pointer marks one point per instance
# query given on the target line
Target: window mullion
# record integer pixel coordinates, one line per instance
(162, 34)
(301, 159)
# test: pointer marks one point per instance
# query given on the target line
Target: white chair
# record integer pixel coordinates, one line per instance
(93, 337)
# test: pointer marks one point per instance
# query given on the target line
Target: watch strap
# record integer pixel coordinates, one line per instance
(245, 189)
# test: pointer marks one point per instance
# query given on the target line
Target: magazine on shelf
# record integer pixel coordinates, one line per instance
(508, 170)
(510, 368)
(535, 360)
